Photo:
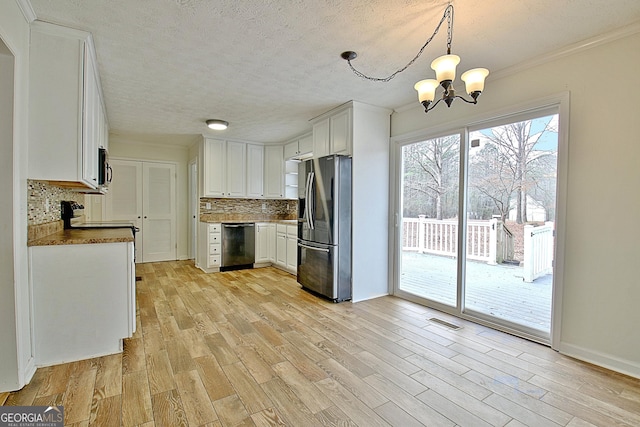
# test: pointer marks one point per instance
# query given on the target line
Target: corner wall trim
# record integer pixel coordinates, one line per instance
(27, 10)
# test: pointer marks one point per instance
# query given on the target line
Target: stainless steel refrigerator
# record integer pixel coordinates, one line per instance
(324, 226)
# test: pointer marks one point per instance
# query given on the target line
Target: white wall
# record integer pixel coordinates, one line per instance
(128, 149)
(16, 362)
(600, 315)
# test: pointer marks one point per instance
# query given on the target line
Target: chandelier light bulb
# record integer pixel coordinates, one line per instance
(474, 79)
(445, 67)
(426, 89)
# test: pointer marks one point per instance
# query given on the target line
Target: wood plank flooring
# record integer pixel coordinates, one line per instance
(250, 348)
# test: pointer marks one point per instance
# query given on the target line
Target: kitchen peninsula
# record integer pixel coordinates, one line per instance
(83, 284)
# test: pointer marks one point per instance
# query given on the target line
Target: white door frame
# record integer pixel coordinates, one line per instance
(193, 207)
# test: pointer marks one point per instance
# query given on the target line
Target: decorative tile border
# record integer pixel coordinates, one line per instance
(247, 210)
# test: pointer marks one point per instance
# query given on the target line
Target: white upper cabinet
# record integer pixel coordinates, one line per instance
(224, 168)
(333, 132)
(255, 170)
(273, 172)
(340, 133)
(65, 101)
(214, 168)
(299, 148)
(305, 146)
(321, 144)
(241, 169)
(236, 169)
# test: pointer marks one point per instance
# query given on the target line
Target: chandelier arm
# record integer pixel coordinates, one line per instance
(431, 107)
(448, 15)
(474, 101)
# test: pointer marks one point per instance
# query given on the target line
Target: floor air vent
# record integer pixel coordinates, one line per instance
(445, 324)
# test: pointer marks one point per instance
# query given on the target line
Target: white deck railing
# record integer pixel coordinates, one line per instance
(538, 251)
(487, 241)
(440, 237)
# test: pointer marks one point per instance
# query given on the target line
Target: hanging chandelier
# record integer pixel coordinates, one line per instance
(445, 68)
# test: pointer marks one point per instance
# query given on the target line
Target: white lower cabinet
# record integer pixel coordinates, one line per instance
(277, 244)
(83, 300)
(281, 248)
(292, 248)
(287, 247)
(209, 247)
(263, 257)
(272, 242)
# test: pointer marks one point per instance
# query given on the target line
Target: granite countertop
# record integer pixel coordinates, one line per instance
(85, 236)
(283, 221)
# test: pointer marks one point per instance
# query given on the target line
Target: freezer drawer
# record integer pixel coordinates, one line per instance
(319, 271)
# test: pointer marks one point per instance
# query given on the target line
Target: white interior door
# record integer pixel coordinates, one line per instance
(124, 198)
(159, 212)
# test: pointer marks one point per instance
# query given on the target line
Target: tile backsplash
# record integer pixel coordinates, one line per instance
(247, 209)
(43, 201)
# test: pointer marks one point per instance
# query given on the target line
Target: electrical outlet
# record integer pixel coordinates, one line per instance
(46, 205)
(207, 205)
(264, 207)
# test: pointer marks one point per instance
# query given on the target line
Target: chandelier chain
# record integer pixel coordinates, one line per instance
(448, 15)
(449, 27)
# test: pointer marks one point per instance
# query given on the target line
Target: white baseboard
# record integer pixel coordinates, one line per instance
(627, 367)
(370, 297)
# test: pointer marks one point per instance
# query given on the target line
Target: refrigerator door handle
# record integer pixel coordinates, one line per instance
(306, 196)
(310, 201)
(313, 248)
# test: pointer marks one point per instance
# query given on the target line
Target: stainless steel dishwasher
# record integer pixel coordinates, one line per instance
(238, 245)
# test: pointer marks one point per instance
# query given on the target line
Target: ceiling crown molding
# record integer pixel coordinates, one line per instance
(27, 10)
(571, 49)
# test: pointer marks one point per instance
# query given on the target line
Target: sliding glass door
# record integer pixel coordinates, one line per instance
(430, 199)
(511, 182)
(476, 229)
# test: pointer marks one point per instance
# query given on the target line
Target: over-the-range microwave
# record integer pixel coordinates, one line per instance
(105, 173)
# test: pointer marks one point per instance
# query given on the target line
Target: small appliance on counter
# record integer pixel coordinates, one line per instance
(71, 210)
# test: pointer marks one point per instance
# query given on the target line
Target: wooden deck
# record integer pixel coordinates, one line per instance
(497, 290)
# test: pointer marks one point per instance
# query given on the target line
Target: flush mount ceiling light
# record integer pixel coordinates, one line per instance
(216, 124)
(445, 68)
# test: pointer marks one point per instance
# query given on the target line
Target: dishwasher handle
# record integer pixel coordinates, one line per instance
(237, 225)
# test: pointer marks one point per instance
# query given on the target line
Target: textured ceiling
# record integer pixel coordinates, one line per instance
(268, 66)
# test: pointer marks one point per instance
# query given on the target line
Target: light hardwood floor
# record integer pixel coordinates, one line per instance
(250, 347)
